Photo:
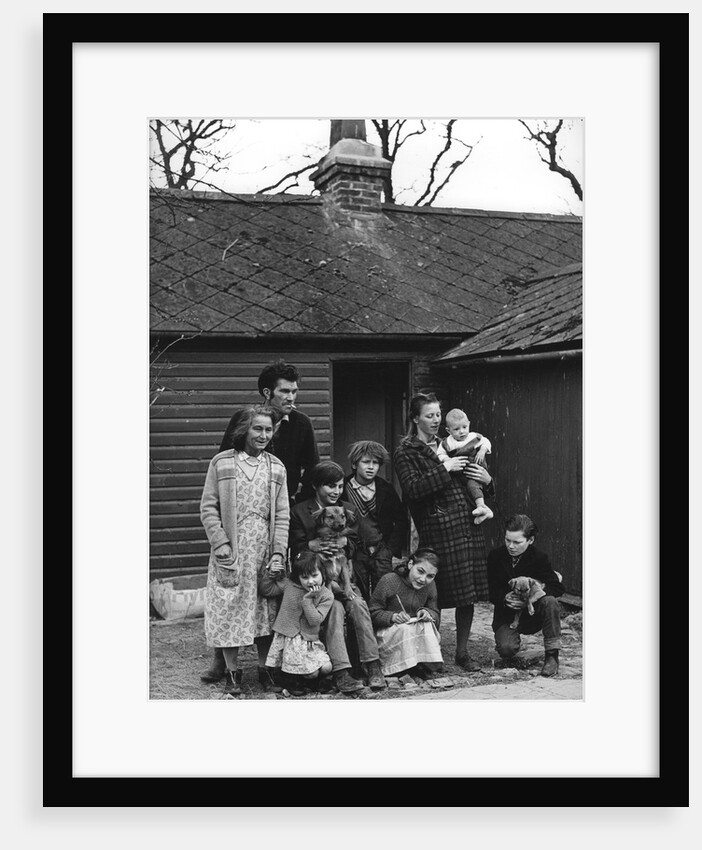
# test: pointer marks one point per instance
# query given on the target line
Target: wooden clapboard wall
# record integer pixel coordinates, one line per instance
(532, 413)
(195, 395)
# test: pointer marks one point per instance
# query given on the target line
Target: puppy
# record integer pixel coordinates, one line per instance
(332, 526)
(528, 590)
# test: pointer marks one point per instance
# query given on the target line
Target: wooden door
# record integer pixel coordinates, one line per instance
(369, 402)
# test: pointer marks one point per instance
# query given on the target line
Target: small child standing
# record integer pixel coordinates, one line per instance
(405, 613)
(296, 646)
(466, 443)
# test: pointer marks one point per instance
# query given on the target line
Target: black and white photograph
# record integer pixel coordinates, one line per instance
(365, 412)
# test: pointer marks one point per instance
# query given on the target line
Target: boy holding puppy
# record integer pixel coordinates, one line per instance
(519, 557)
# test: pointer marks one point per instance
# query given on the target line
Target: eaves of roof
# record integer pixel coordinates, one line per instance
(545, 316)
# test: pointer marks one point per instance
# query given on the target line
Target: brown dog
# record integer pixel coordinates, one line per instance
(332, 526)
(528, 590)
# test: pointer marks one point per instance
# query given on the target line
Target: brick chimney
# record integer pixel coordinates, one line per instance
(351, 177)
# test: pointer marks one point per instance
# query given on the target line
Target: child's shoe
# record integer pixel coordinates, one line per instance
(376, 680)
(345, 682)
(429, 670)
(321, 685)
(293, 684)
(267, 682)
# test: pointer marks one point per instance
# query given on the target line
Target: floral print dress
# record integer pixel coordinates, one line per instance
(234, 616)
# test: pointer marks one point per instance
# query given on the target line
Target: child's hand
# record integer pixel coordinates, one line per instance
(312, 590)
(423, 615)
(401, 617)
(456, 464)
(480, 455)
(276, 566)
(512, 600)
(323, 547)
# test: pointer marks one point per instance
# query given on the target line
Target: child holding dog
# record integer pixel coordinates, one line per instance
(519, 557)
(296, 647)
(382, 521)
(405, 613)
(327, 479)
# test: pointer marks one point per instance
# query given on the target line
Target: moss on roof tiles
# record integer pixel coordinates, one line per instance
(422, 268)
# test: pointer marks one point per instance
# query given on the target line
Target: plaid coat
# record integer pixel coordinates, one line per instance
(441, 510)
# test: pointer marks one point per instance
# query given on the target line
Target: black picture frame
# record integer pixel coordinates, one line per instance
(670, 32)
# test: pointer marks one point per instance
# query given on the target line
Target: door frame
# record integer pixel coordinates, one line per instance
(367, 359)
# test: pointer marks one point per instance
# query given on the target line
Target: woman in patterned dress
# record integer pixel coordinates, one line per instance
(442, 513)
(246, 514)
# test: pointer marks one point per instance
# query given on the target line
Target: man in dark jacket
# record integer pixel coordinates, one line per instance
(519, 557)
(383, 524)
(294, 441)
(294, 444)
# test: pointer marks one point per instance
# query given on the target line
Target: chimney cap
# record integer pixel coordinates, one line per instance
(353, 152)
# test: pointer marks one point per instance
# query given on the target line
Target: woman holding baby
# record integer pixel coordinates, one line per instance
(433, 487)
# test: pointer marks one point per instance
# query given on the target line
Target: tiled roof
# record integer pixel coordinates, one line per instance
(546, 315)
(253, 265)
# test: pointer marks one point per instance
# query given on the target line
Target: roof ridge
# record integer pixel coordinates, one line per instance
(233, 197)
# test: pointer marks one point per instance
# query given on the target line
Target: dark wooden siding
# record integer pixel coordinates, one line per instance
(199, 382)
(532, 413)
(188, 419)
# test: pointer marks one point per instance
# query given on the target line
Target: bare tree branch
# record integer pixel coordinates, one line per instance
(289, 176)
(158, 367)
(454, 167)
(391, 140)
(185, 146)
(400, 142)
(548, 140)
(435, 163)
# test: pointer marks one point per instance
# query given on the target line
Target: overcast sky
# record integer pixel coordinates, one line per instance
(503, 172)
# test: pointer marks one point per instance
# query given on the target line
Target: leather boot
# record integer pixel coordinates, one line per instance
(550, 667)
(462, 660)
(233, 682)
(376, 680)
(217, 669)
(293, 684)
(345, 682)
(267, 681)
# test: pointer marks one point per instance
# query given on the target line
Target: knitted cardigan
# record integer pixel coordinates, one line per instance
(297, 614)
(218, 505)
(384, 602)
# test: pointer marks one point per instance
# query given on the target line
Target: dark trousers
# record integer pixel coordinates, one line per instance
(546, 618)
(368, 567)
